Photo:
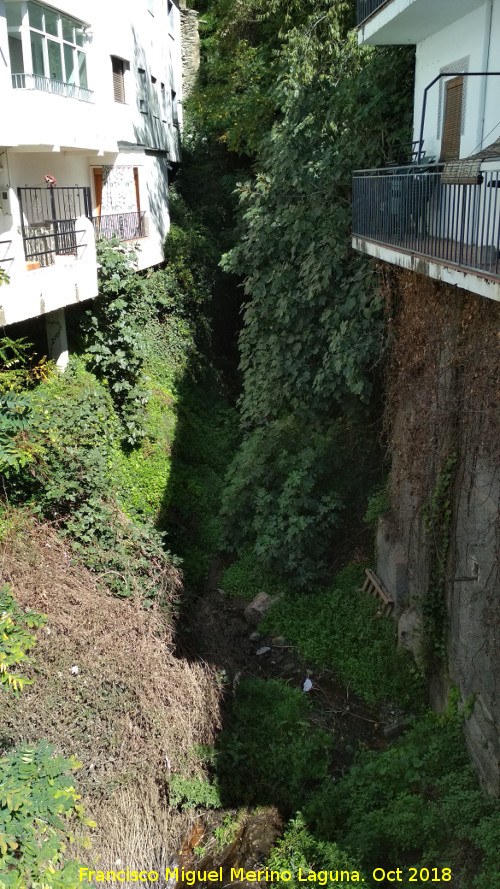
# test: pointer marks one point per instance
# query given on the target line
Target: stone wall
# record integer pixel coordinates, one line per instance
(190, 41)
(442, 403)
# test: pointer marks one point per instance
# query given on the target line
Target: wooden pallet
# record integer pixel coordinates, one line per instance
(373, 587)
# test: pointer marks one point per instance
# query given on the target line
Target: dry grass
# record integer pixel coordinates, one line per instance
(139, 832)
(131, 713)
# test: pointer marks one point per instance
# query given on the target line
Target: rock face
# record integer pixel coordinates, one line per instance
(444, 421)
(190, 47)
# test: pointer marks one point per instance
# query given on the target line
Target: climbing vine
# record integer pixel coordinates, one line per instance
(437, 521)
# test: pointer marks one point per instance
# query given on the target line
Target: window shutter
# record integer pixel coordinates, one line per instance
(118, 79)
(452, 128)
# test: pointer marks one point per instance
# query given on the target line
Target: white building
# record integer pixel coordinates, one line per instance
(89, 131)
(441, 216)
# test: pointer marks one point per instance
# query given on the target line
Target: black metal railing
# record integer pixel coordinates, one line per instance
(366, 8)
(54, 237)
(126, 226)
(414, 210)
(48, 220)
(47, 85)
(5, 260)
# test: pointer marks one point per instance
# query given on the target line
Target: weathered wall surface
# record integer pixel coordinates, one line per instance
(443, 417)
(190, 48)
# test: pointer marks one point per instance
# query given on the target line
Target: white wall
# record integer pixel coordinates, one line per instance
(463, 44)
(123, 28)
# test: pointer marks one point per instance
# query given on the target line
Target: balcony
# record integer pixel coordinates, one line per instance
(418, 217)
(366, 8)
(56, 87)
(386, 22)
(125, 226)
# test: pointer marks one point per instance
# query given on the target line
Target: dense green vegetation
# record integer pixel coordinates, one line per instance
(286, 84)
(418, 803)
(342, 630)
(269, 752)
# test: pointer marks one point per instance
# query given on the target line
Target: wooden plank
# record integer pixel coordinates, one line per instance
(373, 587)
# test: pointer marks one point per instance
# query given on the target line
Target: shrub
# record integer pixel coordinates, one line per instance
(285, 496)
(191, 793)
(246, 577)
(417, 803)
(298, 849)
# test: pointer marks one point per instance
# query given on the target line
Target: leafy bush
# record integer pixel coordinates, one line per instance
(269, 752)
(191, 793)
(17, 374)
(111, 334)
(341, 630)
(299, 849)
(37, 802)
(377, 506)
(15, 639)
(417, 803)
(246, 577)
(37, 797)
(286, 493)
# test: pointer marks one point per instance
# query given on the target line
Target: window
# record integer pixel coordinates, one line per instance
(163, 98)
(170, 7)
(142, 91)
(452, 127)
(119, 67)
(151, 7)
(57, 46)
(175, 113)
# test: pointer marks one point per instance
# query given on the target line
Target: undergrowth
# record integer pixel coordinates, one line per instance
(269, 752)
(342, 630)
(299, 850)
(246, 577)
(205, 436)
(417, 803)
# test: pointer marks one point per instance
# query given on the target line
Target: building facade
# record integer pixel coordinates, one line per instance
(436, 209)
(89, 134)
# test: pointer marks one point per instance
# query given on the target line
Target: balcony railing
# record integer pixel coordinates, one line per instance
(366, 8)
(47, 85)
(54, 237)
(412, 209)
(49, 218)
(126, 226)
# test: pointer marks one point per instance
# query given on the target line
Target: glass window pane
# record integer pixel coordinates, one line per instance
(37, 54)
(82, 69)
(14, 15)
(69, 63)
(68, 29)
(51, 22)
(55, 60)
(80, 36)
(35, 16)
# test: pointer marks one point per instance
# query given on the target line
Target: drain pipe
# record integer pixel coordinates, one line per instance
(486, 63)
